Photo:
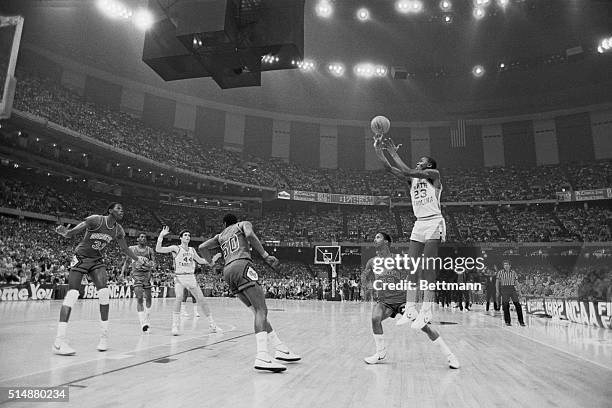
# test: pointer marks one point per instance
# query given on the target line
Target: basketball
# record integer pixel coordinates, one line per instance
(380, 125)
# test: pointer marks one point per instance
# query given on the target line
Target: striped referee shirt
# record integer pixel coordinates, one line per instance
(507, 278)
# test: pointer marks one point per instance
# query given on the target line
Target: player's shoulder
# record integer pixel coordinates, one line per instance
(94, 220)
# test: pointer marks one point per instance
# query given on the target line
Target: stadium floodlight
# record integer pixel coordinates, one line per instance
(479, 13)
(446, 5)
(363, 14)
(478, 71)
(503, 3)
(143, 19)
(336, 69)
(403, 6)
(324, 9)
(114, 9)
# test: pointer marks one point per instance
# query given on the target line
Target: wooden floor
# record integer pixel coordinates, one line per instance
(547, 364)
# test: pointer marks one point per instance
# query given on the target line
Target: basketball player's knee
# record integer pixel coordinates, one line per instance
(104, 296)
(71, 297)
(252, 309)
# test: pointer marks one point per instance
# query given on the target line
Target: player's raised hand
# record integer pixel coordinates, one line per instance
(165, 231)
(272, 261)
(62, 230)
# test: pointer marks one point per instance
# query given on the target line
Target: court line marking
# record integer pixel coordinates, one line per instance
(104, 357)
(140, 363)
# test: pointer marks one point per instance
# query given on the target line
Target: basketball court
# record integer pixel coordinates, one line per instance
(545, 364)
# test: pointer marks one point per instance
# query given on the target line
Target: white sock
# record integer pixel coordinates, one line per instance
(210, 319)
(276, 342)
(182, 307)
(262, 342)
(175, 319)
(61, 330)
(104, 326)
(379, 339)
(147, 312)
(427, 307)
(410, 306)
(195, 308)
(443, 347)
(141, 317)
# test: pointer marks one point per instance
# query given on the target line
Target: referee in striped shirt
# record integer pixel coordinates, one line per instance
(506, 287)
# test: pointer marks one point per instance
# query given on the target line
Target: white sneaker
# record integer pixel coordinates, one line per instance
(103, 344)
(145, 327)
(376, 358)
(264, 362)
(196, 313)
(175, 330)
(60, 347)
(422, 319)
(286, 356)
(453, 362)
(408, 316)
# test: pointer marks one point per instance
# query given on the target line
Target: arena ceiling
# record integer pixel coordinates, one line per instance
(531, 37)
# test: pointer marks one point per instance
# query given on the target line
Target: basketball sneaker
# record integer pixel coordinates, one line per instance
(286, 355)
(377, 357)
(453, 362)
(60, 347)
(175, 330)
(421, 320)
(214, 328)
(409, 316)
(264, 362)
(103, 344)
(145, 327)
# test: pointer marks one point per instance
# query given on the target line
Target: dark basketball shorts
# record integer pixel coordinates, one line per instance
(85, 265)
(142, 279)
(397, 308)
(240, 275)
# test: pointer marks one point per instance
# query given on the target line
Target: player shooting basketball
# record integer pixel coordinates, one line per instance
(429, 229)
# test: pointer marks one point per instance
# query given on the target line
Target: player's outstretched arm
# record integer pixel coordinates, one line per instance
(201, 260)
(207, 245)
(162, 249)
(126, 249)
(126, 263)
(92, 221)
(247, 227)
(380, 153)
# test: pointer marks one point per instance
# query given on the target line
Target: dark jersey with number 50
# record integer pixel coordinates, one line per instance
(234, 244)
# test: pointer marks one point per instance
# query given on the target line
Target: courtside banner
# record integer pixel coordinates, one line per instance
(353, 199)
(26, 291)
(535, 306)
(123, 291)
(598, 314)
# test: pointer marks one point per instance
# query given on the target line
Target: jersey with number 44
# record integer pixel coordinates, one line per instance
(234, 244)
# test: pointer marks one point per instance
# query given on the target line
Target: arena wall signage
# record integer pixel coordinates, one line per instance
(330, 198)
(585, 195)
(124, 291)
(26, 291)
(598, 314)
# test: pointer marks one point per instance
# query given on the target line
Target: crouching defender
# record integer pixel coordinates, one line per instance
(393, 302)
